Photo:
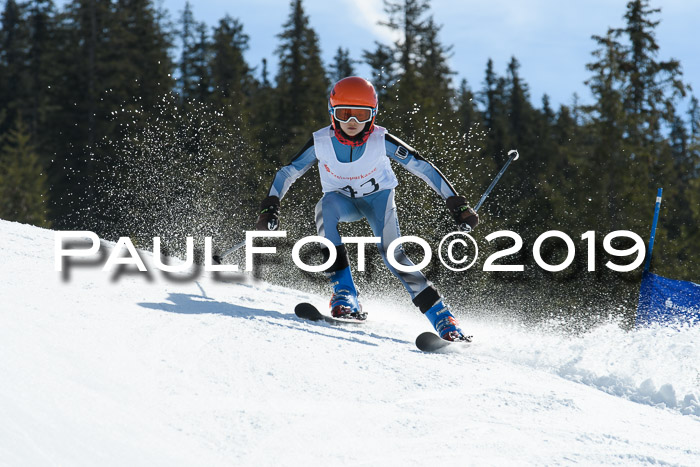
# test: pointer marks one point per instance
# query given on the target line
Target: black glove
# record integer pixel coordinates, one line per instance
(465, 217)
(269, 218)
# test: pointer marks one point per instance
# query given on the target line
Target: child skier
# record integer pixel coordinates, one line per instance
(353, 156)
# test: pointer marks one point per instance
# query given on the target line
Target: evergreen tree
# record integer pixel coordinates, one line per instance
(263, 115)
(568, 161)
(381, 62)
(521, 114)
(635, 100)
(467, 111)
(231, 75)
(422, 76)
(692, 232)
(679, 141)
(693, 151)
(547, 112)
(694, 120)
(406, 17)
(23, 184)
(88, 87)
(41, 74)
(188, 81)
(342, 65)
(302, 86)
(609, 160)
(201, 59)
(531, 139)
(546, 156)
(473, 133)
(27, 50)
(90, 24)
(635, 95)
(650, 85)
(651, 90)
(142, 59)
(112, 63)
(677, 166)
(437, 124)
(436, 93)
(494, 100)
(235, 90)
(14, 39)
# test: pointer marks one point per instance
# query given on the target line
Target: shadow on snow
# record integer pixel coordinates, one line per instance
(190, 304)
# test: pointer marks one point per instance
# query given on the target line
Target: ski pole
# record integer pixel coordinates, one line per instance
(513, 153)
(218, 258)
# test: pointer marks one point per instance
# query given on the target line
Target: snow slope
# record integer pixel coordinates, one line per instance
(105, 369)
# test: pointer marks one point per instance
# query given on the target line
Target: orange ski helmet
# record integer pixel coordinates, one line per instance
(353, 92)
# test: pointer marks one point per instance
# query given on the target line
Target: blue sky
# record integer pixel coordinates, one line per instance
(550, 38)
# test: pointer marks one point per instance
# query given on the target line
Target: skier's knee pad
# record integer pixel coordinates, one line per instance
(341, 260)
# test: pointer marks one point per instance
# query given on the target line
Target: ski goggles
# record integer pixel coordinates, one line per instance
(346, 113)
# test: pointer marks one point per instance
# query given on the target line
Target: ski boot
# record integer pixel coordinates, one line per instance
(445, 324)
(344, 303)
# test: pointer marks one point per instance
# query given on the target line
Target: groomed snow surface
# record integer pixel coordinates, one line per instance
(98, 369)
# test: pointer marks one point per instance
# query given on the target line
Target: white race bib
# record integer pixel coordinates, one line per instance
(369, 174)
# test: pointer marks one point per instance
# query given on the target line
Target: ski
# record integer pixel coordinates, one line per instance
(430, 342)
(310, 312)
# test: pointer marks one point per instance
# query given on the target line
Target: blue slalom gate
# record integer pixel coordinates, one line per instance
(663, 300)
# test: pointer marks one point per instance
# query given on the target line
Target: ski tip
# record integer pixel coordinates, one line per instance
(216, 259)
(307, 311)
(425, 336)
(431, 342)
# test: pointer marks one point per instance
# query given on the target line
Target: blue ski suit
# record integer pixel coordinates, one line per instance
(378, 207)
